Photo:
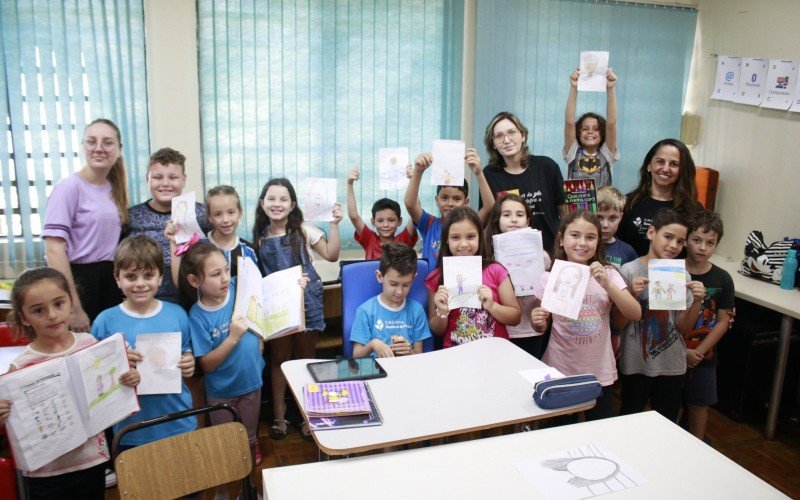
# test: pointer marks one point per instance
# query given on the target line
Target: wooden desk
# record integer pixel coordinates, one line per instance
(786, 302)
(675, 464)
(462, 389)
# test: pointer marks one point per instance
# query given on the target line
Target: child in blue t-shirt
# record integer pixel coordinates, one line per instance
(229, 356)
(447, 198)
(138, 269)
(390, 325)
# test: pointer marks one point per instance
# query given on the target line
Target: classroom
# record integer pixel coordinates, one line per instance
(251, 110)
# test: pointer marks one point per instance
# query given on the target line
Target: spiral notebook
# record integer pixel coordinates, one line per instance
(370, 419)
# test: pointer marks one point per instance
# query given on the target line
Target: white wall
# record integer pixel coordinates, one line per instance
(756, 150)
(172, 83)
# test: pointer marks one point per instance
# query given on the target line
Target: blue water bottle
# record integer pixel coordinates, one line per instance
(789, 270)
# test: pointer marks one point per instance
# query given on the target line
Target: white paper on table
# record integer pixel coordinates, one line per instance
(727, 82)
(447, 168)
(594, 66)
(667, 286)
(521, 253)
(392, 164)
(534, 375)
(565, 289)
(584, 472)
(184, 217)
(45, 422)
(462, 277)
(320, 199)
(780, 84)
(752, 77)
(161, 353)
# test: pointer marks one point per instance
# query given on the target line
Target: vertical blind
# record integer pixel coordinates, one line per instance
(63, 65)
(311, 89)
(526, 50)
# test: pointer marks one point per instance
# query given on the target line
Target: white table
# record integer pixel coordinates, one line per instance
(461, 389)
(674, 463)
(786, 302)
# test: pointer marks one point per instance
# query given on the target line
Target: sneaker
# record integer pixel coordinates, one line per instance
(111, 478)
(258, 456)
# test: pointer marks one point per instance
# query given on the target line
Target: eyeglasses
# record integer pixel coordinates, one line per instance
(511, 135)
(106, 145)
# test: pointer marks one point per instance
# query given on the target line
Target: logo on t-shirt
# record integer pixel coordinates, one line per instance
(379, 325)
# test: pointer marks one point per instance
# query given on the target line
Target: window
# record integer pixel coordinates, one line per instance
(65, 64)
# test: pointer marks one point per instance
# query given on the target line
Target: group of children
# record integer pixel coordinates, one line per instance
(191, 288)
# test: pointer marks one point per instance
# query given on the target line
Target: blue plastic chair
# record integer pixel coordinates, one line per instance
(359, 285)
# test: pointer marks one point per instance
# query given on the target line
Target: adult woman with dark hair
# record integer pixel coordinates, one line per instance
(512, 169)
(666, 180)
(85, 215)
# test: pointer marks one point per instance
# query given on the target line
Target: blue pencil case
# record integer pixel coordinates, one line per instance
(567, 391)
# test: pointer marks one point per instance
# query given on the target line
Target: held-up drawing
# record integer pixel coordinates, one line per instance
(667, 289)
(566, 286)
(584, 472)
(320, 199)
(392, 163)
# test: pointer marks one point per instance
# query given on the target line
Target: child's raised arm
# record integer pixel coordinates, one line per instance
(352, 206)
(611, 111)
(328, 248)
(411, 198)
(569, 113)
(474, 163)
(175, 260)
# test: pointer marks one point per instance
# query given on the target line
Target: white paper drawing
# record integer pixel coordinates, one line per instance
(534, 375)
(594, 66)
(752, 77)
(447, 168)
(565, 289)
(272, 306)
(667, 287)
(462, 277)
(184, 217)
(521, 253)
(584, 472)
(392, 163)
(727, 82)
(159, 370)
(780, 84)
(320, 199)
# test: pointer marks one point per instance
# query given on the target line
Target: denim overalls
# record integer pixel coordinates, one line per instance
(275, 254)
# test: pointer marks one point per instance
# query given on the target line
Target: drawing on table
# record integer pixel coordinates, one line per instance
(584, 472)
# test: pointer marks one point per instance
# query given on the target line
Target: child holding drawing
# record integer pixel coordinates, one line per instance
(229, 356)
(590, 144)
(583, 345)
(652, 353)
(462, 236)
(138, 269)
(284, 240)
(224, 209)
(510, 214)
(41, 308)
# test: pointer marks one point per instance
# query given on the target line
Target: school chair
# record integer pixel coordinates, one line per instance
(186, 463)
(359, 285)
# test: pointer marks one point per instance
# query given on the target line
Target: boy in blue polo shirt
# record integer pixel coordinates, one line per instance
(389, 325)
(138, 269)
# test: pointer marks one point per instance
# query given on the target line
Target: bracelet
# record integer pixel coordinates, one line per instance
(442, 316)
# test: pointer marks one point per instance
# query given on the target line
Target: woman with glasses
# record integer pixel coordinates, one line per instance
(85, 215)
(512, 169)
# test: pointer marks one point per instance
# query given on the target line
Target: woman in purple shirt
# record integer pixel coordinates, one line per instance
(85, 215)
